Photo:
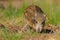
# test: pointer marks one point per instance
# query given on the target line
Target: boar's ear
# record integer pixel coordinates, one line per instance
(39, 9)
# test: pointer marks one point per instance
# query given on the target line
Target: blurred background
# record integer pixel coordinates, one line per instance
(12, 12)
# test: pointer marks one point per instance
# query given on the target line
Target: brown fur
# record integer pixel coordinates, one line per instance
(34, 16)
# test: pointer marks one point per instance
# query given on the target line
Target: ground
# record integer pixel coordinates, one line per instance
(12, 20)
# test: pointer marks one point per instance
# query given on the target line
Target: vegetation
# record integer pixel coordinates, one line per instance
(14, 16)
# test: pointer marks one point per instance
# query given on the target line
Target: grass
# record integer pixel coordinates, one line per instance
(13, 16)
(10, 36)
(50, 9)
(15, 36)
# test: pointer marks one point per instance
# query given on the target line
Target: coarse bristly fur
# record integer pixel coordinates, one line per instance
(35, 17)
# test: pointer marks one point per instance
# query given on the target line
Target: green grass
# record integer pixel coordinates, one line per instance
(13, 16)
(50, 9)
(15, 36)
(10, 36)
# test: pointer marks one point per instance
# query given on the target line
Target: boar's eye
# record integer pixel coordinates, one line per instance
(35, 21)
(43, 23)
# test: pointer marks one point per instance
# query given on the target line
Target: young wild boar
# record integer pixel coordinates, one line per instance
(35, 18)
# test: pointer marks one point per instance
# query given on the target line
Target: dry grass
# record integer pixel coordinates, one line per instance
(9, 17)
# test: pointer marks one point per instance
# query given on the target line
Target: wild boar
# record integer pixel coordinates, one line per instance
(35, 17)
